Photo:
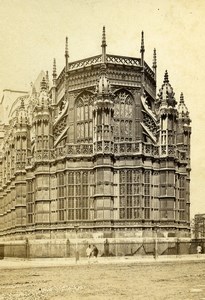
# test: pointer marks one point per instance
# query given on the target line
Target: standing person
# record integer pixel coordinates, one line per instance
(199, 249)
(95, 252)
(89, 253)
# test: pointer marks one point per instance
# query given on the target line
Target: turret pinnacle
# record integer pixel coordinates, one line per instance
(21, 113)
(47, 80)
(103, 46)
(182, 109)
(181, 99)
(166, 93)
(54, 72)
(142, 49)
(43, 85)
(22, 104)
(166, 77)
(154, 65)
(66, 53)
(103, 38)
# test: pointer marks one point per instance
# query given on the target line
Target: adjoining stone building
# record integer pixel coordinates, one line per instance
(199, 226)
(97, 151)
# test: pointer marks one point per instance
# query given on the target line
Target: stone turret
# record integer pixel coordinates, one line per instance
(22, 136)
(23, 150)
(183, 130)
(103, 144)
(43, 125)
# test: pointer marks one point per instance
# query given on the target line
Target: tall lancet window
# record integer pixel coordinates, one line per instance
(123, 116)
(83, 118)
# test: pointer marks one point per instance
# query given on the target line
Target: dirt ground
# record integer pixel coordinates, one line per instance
(159, 280)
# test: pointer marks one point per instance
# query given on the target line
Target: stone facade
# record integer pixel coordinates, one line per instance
(199, 226)
(97, 152)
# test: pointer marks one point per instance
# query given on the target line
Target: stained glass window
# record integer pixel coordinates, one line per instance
(83, 118)
(78, 196)
(130, 194)
(123, 116)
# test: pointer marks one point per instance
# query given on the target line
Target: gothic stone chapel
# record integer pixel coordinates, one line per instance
(96, 157)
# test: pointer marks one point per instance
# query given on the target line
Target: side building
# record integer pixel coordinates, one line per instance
(199, 226)
(97, 151)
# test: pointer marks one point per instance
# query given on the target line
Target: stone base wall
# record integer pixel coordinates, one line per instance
(119, 242)
(63, 248)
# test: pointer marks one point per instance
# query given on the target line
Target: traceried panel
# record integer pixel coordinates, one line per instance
(149, 123)
(83, 118)
(73, 196)
(123, 116)
(147, 194)
(30, 201)
(78, 195)
(182, 197)
(130, 186)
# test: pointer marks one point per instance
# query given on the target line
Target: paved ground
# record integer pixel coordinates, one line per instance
(129, 278)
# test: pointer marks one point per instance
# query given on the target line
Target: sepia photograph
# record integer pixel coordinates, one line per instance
(102, 151)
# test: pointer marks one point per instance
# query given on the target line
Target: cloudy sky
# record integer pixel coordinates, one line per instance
(32, 33)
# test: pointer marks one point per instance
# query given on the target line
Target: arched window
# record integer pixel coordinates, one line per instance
(123, 116)
(83, 118)
(130, 193)
(78, 195)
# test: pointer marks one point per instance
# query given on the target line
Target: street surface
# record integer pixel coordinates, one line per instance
(106, 279)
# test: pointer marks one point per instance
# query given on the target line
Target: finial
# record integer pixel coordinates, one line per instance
(22, 103)
(47, 80)
(54, 67)
(142, 49)
(181, 98)
(103, 38)
(66, 47)
(154, 59)
(166, 77)
(54, 71)
(66, 54)
(43, 84)
(103, 46)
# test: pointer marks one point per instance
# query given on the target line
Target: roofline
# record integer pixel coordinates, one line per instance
(96, 60)
(14, 91)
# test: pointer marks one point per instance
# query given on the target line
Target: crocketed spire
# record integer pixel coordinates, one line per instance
(142, 49)
(43, 84)
(166, 93)
(166, 77)
(104, 45)
(66, 54)
(154, 64)
(47, 80)
(182, 108)
(103, 38)
(21, 113)
(54, 72)
(43, 100)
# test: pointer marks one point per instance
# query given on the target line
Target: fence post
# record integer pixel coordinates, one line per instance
(156, 243)
(67, 248)
(76, 227)
(27, 248)
(177, 246)
(1, 251)
(106, 248)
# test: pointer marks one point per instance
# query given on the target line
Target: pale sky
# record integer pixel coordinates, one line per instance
(32, 33)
